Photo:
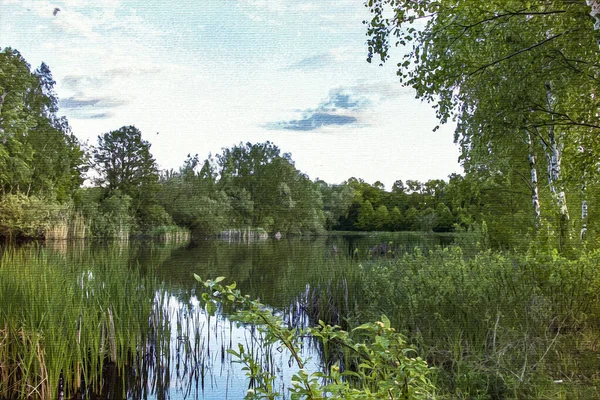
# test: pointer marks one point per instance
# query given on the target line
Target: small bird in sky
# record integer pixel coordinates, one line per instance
(56, 10)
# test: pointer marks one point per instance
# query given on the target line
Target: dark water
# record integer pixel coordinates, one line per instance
(278, 272)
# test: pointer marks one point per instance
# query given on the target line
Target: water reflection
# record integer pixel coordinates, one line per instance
(198, 364)
(303, 279)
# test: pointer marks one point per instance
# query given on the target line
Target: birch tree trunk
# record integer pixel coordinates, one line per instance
(584, 203)
(535, 193)
(553, 150)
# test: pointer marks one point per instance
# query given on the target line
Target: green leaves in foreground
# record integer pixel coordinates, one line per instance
(373, 361)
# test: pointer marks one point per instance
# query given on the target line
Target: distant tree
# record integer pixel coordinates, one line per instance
(337, 200)
(126, 166)
(414, 186)
(445, 219)
(398, 186)
(411, 219)
(262, 180)
(396, 219)
(382, 218)
(124, 161)
(366, 217)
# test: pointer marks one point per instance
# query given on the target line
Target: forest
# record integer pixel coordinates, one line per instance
(54, 186)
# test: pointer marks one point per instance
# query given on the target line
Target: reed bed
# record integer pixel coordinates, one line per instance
(68, 225)
(170, 234)
(494, 325)
(248, 235)
(61, 325)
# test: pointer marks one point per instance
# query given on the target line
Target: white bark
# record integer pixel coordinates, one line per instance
(553, 151)
(554, 155)
(595, 11)
(584, 203)
(535, 193)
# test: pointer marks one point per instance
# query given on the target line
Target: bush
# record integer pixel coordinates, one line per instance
(26, 216)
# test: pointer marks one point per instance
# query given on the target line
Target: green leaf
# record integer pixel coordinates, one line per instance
(368, 325)
(219, 279)
(386, 321)
(211, 308)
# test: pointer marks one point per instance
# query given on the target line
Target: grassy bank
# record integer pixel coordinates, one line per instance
(493, 325)
(61, 325)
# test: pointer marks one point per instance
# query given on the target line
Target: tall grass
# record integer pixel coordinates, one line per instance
(69, 224)
(495, 325)
(61, 324)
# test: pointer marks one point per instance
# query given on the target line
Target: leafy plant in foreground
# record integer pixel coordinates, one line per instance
(377, 361)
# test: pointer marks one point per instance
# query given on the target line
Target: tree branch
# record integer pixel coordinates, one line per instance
(498, 61)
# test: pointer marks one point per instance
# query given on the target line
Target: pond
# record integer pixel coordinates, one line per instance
(190, 359)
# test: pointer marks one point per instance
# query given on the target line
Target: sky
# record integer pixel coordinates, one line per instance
(198, 76)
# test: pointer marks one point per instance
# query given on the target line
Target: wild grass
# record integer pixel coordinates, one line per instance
(494, 325)
(61, 324)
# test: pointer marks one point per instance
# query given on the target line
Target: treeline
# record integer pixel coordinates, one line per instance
(248, 189)
(246, 186)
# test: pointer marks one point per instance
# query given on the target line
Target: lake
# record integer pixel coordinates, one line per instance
(193, 362)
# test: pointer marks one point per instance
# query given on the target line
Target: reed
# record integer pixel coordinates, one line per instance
(248, 235)
(78, 226)
(170, 234)
(64, 323)
(58, 231)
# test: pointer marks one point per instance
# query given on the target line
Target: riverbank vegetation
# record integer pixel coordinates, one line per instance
(65, 324)
(248, 187)
(491, 325)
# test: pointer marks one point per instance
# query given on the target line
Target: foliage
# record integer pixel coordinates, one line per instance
(62, 324)
(107, 216)
(126, 167)
(248, 186)
(381, 363)
(493, 324)
(124, 161)
(38, 153)
(22, 216)
(519, 77)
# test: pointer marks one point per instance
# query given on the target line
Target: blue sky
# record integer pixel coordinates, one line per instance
(197, 76)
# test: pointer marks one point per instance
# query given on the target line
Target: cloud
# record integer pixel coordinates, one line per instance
(104, 115)
(313, 62)
(132, 71)
(339, 56)
(317, 120)
(72, 102)
(80, 82)
(79, 113)
(282, 6)
(342, 107)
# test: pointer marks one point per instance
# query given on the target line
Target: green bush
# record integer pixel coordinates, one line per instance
(26, 216)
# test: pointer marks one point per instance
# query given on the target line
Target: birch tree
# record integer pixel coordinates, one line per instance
(508, 72)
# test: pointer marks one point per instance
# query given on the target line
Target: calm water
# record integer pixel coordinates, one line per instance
(278, 272)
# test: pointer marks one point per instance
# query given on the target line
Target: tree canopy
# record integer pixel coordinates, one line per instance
(38, 152)
(519, 78)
